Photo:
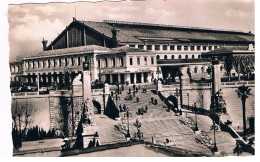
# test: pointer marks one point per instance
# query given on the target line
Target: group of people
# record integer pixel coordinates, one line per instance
(154, 101)
(115, 96)
(142, 110)
(122, 108)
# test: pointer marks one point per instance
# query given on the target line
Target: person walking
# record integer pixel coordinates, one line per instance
(155, 101)
(124, 108)
(152, 99)
(146, 108)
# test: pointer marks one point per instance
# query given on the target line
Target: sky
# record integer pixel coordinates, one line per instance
(29, 23)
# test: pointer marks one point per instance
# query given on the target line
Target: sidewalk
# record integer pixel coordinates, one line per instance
(39, 146)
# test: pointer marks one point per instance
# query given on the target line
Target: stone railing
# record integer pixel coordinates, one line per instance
(237, 84)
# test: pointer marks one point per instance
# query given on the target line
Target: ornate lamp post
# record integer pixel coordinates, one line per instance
(99, 75)
(127, 115)
(243, 92)
(158, 72)
(196, 123)
(180, 77)
(214, 127)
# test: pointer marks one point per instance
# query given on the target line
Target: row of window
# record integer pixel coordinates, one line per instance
(173, 57)
(113, 62)
(175, 47)
(55, 62)
(202, 69)
(139, 61)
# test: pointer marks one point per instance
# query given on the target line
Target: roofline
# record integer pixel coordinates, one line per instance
(74, 21)
(175, 27)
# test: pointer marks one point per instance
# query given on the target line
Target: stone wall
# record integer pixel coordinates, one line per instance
(47, 110)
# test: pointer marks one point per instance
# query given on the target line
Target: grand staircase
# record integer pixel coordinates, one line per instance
(163, 124)
(234, 107)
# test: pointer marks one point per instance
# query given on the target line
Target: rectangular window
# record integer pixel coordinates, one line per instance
(185, 48)
(138, 60)
(152, 60)
(149, 47)
(131, 61)
(141, 46)
(198, 48)
(78, 60)
(106, 63)
(192, 48)
(33, 65)
(145, 60)
(66, 62)
(157, 47)
(179, 48)
(215, 47)
(38, 64)
(172, 47)
(49, 63)
(210, 48)
(122, 61)
(113, 62)
(54, 62)
(86, 58)
(60, 62)
(204, 48)
(72, 61)
(99, 63)
(132, 45)
(165, 47)
(43, 63)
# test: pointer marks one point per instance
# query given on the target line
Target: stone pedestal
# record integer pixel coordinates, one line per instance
(159, 86)
(218, 104)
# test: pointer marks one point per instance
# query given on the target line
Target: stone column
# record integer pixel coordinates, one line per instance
(127, 77)
(142, 77)
(119, 78)
(111, 79)
(88, 123)
(134, 78)
(149, 77)
(106, 92)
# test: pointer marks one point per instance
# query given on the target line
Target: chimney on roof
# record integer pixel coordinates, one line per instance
(44, 44)
(114, 36)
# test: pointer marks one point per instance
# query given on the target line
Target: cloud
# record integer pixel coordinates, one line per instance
(235, 13)
(47, 9)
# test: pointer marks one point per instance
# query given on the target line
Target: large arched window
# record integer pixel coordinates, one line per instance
(192, 56)
(198, 56)
(186, 56)
(221, 68)
(202, 69)
(179, 56)
(165, 57)
(172, 56)
(195, 69)
(158, 57)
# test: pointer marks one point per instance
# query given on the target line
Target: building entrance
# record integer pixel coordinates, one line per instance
(132, 78)
(122, 78)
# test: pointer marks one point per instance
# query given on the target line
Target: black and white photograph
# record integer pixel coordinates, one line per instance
(140, 78)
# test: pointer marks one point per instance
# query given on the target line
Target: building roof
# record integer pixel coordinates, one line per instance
(229, 50)
(72, 50)
(130, 32)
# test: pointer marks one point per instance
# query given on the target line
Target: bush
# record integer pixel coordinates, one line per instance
(36, 133)
(17, 138)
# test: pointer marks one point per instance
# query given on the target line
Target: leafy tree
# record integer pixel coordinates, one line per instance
(228, 66)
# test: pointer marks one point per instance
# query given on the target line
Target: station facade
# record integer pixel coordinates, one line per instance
(121, 52)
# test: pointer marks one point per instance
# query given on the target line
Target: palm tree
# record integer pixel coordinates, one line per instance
(243, 92)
